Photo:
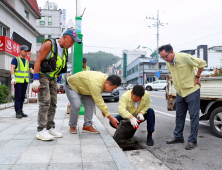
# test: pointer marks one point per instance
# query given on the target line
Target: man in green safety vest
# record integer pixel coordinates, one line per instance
(20, 68)
(84, 66)
(50, 63)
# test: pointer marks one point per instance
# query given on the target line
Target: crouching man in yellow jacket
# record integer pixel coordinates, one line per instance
(135, 106)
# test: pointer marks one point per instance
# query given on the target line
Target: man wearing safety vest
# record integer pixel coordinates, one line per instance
(84, 66)
(20, 68)
(50, 63)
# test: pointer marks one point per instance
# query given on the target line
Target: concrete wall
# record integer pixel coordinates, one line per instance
(133, 55)
(15, 25)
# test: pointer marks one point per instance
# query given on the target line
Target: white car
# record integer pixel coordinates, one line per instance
(129, 86)
(156, 85)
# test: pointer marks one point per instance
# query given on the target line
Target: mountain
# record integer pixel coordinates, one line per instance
(99, 60)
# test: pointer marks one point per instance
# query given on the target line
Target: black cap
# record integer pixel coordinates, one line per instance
(24, 47)
(84, 60)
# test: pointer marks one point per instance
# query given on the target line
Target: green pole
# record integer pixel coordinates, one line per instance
(78, 54)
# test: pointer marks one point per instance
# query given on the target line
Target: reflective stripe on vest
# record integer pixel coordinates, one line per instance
(22, 72)
(60, 63)
(87, 68)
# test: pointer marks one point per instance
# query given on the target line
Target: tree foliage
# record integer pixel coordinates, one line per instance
(99, 61)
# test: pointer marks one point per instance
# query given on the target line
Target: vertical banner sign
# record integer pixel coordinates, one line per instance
(11, 47)
(63, 18)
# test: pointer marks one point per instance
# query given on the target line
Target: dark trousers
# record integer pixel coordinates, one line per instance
(191, 103)
(20, 91)
(149, 117)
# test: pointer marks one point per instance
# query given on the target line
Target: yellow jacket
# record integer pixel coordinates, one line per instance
(127, 107)
(183, 73)
(90, 83)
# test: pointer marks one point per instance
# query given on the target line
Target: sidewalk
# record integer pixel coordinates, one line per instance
(19, 149)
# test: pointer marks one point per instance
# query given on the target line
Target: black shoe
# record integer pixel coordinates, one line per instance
(23, 114)
(149, 141)
(190, 146)
(18, 114)
(174, 140)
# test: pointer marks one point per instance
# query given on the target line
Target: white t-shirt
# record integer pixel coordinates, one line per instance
(60, 49)
(136, 104)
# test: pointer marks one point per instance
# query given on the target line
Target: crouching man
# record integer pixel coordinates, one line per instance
(135, 106)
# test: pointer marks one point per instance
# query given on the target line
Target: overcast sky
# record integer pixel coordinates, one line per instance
(116, 25)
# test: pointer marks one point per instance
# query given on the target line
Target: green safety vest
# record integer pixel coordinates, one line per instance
(60, 63)
(22, 72)
(87, 68)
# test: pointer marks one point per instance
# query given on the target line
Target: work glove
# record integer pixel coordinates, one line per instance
(36, 86)
(134, 123)
(58, 87)
(140, 117)
(13, 81)
(36, 83)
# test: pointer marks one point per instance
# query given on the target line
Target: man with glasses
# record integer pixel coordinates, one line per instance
(187, 84)
(20, 68)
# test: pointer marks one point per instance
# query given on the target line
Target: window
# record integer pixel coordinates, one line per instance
(136, 68)
(49, 20)
(40, 39)
(133, 70)
(156, 82)
(42, 21)
(3, 31)
(49, 36)
(163, 81)
(26, 14)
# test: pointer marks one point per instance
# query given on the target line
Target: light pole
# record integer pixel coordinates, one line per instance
(157, 24)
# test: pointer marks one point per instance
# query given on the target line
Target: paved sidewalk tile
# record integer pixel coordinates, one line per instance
(66, 166)
(27, 166)
(5, 167)
(9, 158)
(34, 158)
(100, 165)
(65, 158)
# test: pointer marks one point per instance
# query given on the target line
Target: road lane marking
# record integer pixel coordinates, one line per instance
(202, 123)
(157, 96)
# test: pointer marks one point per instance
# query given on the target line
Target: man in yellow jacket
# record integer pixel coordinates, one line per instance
(187, 84)
(135, 106)
(86, 87)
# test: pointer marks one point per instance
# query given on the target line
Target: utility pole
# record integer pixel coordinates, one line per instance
(157, 24)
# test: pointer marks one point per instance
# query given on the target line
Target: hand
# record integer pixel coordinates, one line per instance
(197, 81)
(13, 82)
(140, 117)
(134, 123)
(114, 122)
(58, 87)
(36, 86)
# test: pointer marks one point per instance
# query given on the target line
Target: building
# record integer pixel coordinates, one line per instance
(17, 27)
(212, 55)
(52, 22)
(143, 70)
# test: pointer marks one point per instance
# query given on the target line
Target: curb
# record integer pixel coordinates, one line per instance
(122, 162)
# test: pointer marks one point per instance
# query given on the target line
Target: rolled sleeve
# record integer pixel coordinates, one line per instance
(122, 108)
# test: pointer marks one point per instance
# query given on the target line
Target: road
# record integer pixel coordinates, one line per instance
(206, 156)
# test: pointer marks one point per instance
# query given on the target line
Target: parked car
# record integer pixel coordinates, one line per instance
(62, 88)
(113, 95)
(129, 86)
(156, 85)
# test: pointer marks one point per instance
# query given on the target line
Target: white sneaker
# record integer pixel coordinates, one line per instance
(44, 135)
(54, 133)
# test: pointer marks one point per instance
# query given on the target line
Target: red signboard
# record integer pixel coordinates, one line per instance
(11, 47)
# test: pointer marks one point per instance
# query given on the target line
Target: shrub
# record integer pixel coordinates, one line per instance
(3, 94)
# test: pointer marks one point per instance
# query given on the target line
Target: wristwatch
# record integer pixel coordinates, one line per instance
(197, 77)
